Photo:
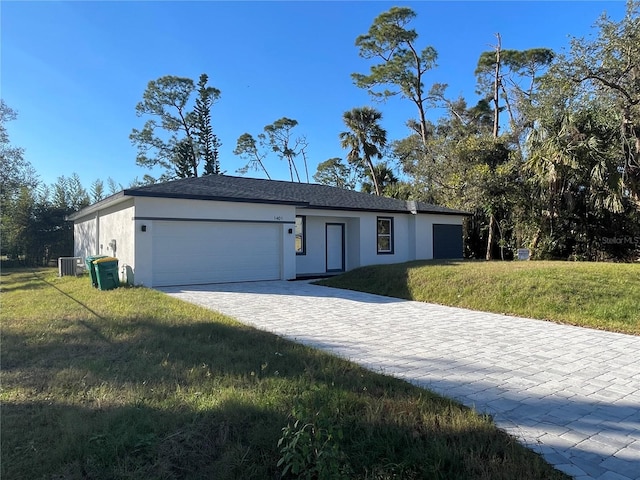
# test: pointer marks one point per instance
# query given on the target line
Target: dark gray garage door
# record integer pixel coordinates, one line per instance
(447, 241)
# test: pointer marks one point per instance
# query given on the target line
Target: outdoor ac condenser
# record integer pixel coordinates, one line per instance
(69, 266)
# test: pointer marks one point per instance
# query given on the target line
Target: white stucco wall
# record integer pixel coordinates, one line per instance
(94, 234)
(124, 222)
(116, 223)
(368, 241)
(288, 266)
(353, 243)
(85, 241)
(413, 238)
(213, 210)
(360, 239)
(315, 260)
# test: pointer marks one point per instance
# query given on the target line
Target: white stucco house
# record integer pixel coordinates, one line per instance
(220, 228)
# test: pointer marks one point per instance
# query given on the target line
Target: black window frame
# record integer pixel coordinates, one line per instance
(390, 235)
(303, 234)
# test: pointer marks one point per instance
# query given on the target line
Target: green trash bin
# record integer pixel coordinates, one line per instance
(91, 268)
(107, 273)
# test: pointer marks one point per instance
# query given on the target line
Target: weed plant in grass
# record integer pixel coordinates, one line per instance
(597, 295)
(130, 384)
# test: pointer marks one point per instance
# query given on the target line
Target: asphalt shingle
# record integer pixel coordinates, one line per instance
(242, 189)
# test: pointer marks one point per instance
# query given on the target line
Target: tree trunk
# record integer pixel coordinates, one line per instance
(423, 123)
(534, 243)
(290, 169)
(373, 176)
(304, 159)
(492, 221)
(631, 172)
(496, 127)
(496, 90)
(292, 164)
(418, 98)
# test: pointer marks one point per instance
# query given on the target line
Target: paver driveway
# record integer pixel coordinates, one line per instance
(569, 393)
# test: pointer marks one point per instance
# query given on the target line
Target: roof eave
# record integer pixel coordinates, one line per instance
(459, 213)
(354, 209)
(386, 210)
(219, 198)
(110, 200)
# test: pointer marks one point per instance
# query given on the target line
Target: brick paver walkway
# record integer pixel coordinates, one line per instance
(569, 393)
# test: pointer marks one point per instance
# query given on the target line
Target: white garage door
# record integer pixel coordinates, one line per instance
(187, 253)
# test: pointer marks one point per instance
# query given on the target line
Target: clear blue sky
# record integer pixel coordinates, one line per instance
(75, 71)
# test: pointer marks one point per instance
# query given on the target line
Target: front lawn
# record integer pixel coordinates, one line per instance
(596, 295)
(133, 384)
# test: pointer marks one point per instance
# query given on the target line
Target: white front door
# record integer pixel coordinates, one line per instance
(335, 247)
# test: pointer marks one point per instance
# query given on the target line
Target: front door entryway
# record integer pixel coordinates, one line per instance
(335, 247)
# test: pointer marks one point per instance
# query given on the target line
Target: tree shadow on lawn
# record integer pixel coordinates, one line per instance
(231, 441)
(146, 399)
(7, 284)
(56, 440)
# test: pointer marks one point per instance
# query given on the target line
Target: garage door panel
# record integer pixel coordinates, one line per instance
(447, 241)
(209, 252)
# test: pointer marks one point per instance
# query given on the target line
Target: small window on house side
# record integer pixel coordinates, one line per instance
(301, 233)
(385, 235)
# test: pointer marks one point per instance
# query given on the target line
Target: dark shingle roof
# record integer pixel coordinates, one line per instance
(254, 190)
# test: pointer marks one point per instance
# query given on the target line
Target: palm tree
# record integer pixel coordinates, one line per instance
(384, 176)
(365, 140)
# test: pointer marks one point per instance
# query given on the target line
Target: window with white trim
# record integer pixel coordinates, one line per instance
(385, 235)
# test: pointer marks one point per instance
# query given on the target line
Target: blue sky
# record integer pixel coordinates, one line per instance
(75, 71)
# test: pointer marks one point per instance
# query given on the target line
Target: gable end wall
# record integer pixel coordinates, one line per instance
(94, 235)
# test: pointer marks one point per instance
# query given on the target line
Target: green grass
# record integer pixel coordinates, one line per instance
(597, 295)
(130, 384)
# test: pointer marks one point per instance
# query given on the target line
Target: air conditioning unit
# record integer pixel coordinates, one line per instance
(68, 266)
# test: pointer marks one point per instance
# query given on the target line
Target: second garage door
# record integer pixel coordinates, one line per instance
(187, 253)
(447, 241)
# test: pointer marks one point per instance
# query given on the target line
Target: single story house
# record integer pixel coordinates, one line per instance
(220, 228)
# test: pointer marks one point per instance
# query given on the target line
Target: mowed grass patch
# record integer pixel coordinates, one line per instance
(130, 383)
(597, 295)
